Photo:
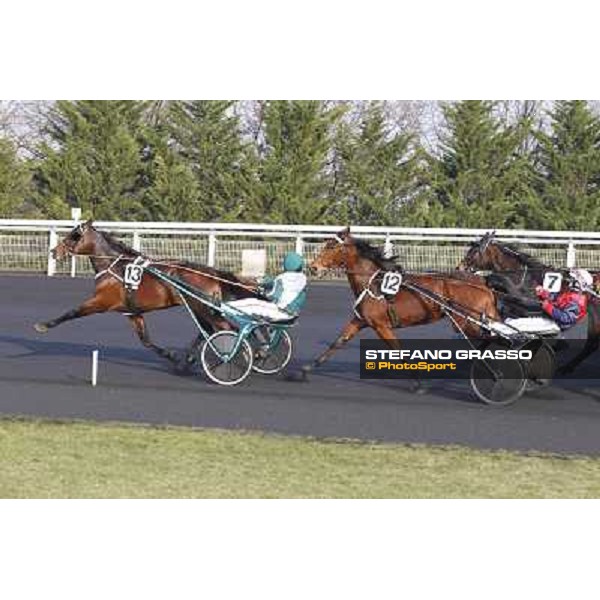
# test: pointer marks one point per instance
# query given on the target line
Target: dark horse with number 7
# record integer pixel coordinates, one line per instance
(366, 267)
(515, 274)
(110, 257)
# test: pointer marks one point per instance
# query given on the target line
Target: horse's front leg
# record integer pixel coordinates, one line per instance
(592, 343)
(349, 331)
(89, 307)
(386, 333)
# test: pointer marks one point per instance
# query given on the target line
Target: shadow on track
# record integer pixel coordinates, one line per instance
(346, 372)
(113, 355)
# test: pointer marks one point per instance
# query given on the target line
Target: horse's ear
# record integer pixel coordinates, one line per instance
(89, 223)
(344, 233)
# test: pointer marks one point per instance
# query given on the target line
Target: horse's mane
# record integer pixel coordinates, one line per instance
(227, 276)
(116, 244)
(374, 254)
(525, 259)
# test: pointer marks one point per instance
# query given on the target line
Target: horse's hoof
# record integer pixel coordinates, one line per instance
(296, 376)
(418, 389)
(41, 327)
(182, 368)
(171, 357)
(537, 384)
(305, 371)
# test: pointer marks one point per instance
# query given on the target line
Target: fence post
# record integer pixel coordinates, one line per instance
(76, 216)
(571, 255)
(388, 247)
(299, 245)
(212, 249)
(136, 244)
(52, 242)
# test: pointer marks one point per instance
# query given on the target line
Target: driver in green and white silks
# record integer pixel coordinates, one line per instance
(286, 293)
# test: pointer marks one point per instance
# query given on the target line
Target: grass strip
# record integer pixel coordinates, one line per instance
(79, 460)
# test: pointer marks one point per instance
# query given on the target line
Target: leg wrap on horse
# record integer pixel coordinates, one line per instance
(130, 303)
(393, 315)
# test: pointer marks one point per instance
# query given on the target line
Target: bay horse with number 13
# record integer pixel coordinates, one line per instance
(363, 263)
(109, 257)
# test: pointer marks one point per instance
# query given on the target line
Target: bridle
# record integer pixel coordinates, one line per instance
(366, 291)
(72, 239)
(484, 244)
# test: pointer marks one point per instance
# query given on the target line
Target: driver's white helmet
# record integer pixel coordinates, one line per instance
(582, 277)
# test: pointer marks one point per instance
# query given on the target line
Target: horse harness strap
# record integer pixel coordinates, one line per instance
(130, 288)
(110, 271)
(392, 314)
(132, 279)
(367, 291)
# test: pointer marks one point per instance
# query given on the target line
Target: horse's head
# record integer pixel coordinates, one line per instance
(481, 255)
(80, 240)
(333, 253)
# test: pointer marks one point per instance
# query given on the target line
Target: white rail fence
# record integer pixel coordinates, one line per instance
(25, 244)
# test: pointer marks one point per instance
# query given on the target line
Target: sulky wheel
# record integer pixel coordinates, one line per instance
(540, 370)
(497, 382)
(274, 354)
(219, 362)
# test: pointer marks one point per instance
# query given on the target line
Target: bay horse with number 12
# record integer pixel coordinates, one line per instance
(109, 258)
(363, 263)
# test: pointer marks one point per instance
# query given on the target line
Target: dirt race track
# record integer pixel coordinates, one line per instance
(48, 376)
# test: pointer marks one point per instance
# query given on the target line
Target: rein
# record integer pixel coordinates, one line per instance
(440, 299)
(109, 270)
(444, 302)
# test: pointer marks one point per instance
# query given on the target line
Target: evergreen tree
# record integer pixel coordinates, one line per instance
(168, 188)
(92, 159)
(14, 181)
(568, 162)
(293, 170)
(207, 139)
(376, 170)
(482, 175)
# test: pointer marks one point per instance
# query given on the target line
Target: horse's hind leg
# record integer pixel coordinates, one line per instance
(592, 343)
(139, 326)
(386, 333)
(210, 323)
(89, 307)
